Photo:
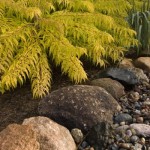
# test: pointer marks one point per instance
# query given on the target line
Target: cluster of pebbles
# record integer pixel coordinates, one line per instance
(131, 128)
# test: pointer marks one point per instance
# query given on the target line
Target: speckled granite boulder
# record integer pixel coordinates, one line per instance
(115, 88)
(79, 106)
(18, 137)
(51, 135)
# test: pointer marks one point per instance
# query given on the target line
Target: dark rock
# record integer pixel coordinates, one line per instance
(84, 144)
(123, 117)
(113, 147)
(98, 134)
(112, 86)
(79, 106)
(122, 75)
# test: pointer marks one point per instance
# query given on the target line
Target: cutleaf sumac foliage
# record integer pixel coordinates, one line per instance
(34, 31)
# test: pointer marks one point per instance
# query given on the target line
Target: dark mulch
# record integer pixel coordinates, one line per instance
(18, 104)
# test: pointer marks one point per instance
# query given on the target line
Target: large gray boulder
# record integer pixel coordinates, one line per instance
(51, 135)
(79, 106)
(115, 88)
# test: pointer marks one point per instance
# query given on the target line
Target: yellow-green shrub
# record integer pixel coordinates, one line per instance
(33, 31)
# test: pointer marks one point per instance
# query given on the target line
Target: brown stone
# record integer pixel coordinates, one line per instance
(51, 135)
(115, 88)
(18, 137)
(79, 106)
(143, 63)
(125, 63)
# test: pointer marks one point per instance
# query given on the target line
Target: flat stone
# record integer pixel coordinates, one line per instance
(79, 106)
(141, 129)
(115, 88)
(18, 137)
(50, 134)
(122, 75)
(124, 117)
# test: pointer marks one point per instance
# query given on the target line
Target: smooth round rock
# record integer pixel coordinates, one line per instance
(142, 141)
(79, 106)
(129, 133)
(125, 145)
(134, 139)
(139, 120)
(84, 144)
(77, 135)
(138, 146)
(134, 96)
(124, 117)
(112, 86)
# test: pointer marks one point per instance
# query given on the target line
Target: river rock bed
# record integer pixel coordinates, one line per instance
(131, 127)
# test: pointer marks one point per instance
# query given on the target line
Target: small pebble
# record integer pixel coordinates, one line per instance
(77, 135)
(116, 125)
(122, 123)
(132, 148)
(125, 145)
(114, 147)
(134, 120)
(147, 103)
(134, 139)
(133, 131)
(134, 96)
(142, 141)
(129, 133)
(84, 144)
(139, 120)
(138, 146)
(123, 117)
(137, 106)
(137, 112)
(127, 139)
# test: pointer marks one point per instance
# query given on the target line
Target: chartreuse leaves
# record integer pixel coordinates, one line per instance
(33, 31)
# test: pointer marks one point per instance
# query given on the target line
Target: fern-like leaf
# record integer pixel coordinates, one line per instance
(41, 77)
